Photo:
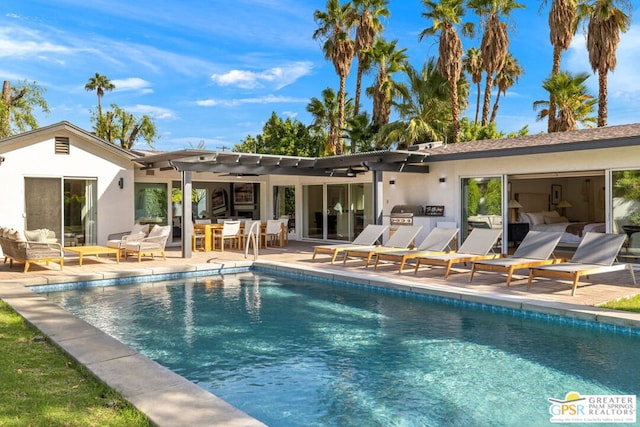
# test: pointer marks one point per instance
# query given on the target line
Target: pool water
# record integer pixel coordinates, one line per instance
(298, 353)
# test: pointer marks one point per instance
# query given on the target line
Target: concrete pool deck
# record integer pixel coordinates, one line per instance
(170, 400)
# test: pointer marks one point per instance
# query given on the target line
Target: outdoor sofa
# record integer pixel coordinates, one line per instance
(16, 247)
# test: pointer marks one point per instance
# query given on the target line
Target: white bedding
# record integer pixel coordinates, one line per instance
(569, 237)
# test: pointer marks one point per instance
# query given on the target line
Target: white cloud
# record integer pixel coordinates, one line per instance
(20, 42)
(157, 113)
(132, 84)
(277, 77)
(269, 99)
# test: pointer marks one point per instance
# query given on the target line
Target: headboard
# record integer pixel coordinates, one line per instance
(533, 202)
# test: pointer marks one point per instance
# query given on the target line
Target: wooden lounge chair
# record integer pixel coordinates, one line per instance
(402, 238)
(367, 237)
(474, 248)
(535, 249)
(595, 254)
(438, 240)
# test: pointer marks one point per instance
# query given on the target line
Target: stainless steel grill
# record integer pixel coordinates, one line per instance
(403, 214)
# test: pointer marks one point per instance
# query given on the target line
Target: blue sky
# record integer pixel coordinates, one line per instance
(213, 71)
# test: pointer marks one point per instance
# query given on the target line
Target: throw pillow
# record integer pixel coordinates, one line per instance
(536, 218)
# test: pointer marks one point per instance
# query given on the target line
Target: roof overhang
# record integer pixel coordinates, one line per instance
(348, 165)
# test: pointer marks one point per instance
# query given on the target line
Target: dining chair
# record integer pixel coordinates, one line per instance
(230, 232)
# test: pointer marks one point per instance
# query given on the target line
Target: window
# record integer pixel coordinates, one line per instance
(151, 203)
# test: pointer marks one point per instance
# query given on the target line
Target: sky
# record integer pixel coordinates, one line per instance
(212, 71)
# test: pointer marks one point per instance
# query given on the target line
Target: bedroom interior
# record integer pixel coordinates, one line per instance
(573, 203)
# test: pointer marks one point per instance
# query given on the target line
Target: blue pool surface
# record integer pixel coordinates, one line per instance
(294, 352)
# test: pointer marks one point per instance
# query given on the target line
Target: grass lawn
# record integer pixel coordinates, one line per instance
(41, 386)
(625, 304)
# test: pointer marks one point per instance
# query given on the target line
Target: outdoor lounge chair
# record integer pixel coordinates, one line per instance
(595, 254)
(474, 248)
(402, 238)
(535, 249)
(438, 240)
(367, 237)
(154, 243)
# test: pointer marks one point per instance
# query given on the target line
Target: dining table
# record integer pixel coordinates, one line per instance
(208, 231)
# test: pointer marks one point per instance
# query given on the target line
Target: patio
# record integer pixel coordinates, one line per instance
(599, 289)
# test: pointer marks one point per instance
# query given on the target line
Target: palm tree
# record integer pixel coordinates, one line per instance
(99, 83)
(390, 60)
(369, 27)
(575, 105)
(334, 26)
(472, 65)
(325, 118)
(510, 73)
(445, 15)
(424, 108)
(563, 23)
(495, 42)
(606, 22)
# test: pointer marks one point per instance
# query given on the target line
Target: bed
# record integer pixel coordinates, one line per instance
(535, 211)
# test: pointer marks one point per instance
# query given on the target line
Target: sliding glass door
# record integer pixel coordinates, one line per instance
(337, 211)
(481, 204)
(65, 206)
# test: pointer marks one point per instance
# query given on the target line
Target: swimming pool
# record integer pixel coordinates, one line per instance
(297, 352)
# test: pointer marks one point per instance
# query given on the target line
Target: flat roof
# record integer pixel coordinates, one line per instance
(348, 165)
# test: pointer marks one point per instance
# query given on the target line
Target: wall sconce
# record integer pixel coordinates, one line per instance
(392, 182)
(121, 183)
(442, 179)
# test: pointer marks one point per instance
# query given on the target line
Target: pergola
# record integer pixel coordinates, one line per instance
(253, 164)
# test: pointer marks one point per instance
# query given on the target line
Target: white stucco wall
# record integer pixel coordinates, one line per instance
(33, 158)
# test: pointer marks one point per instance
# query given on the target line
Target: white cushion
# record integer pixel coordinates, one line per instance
(140, 228)
(159, 230)
(524, 217)
(555, 219)
(536, 218)
(39, 235)
(550, 213)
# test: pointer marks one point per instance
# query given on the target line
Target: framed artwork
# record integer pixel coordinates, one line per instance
(556, 193)
(243, 194)
(218, 200)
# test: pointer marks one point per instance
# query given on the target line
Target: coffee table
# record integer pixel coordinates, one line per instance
(81, 251)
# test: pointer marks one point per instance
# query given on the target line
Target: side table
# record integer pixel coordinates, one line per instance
(516, 232)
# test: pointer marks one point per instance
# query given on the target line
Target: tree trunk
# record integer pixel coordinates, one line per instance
(477, 103)
(602, 96)
(494, 111)
(487, 99)
(455, 111)
(356, 108)
(551, 123)
(341, 96)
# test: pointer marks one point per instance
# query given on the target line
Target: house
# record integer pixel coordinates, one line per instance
(579, 180)
(68, 181)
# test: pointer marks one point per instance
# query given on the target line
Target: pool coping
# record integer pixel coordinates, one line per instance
(169, 399)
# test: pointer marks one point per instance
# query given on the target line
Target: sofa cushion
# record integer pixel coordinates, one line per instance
(140, 228)
(39, 235)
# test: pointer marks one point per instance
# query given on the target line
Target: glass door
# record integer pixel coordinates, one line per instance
(313, 208)
(43, 205)
(625, 205)
(481, 204)
(284, 204)
(66, 207)
(338, 209)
